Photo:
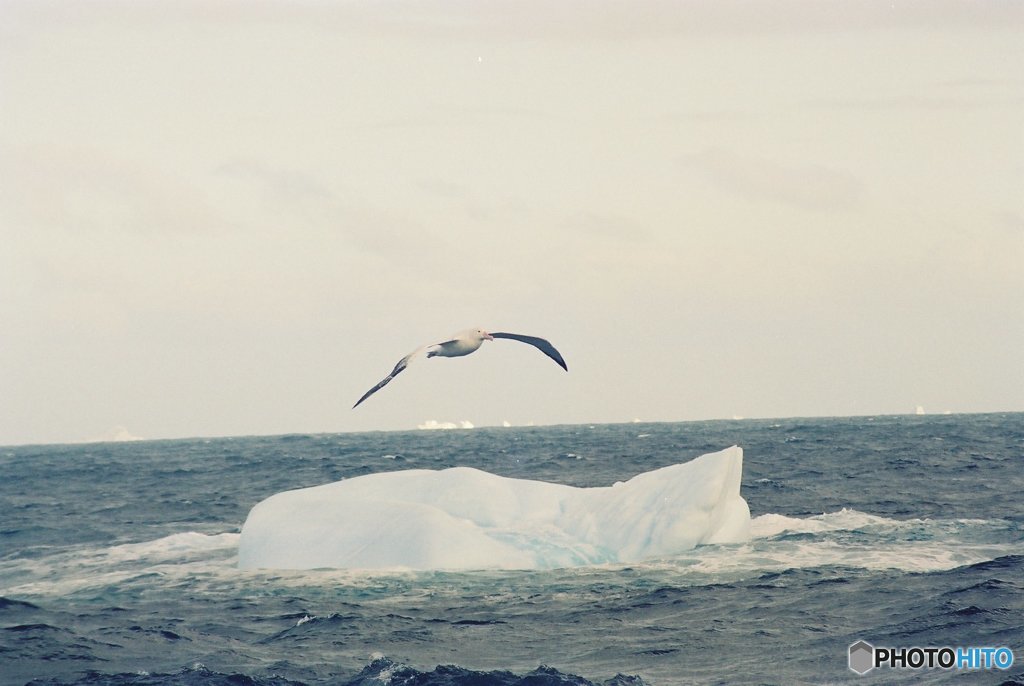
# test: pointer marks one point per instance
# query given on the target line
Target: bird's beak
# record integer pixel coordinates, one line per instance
(488, 337)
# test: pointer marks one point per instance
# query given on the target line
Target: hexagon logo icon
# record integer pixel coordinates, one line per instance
(862, 657)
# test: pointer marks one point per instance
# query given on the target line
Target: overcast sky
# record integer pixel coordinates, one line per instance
(235, 217)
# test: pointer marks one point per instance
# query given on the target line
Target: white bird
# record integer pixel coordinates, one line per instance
(463, 343)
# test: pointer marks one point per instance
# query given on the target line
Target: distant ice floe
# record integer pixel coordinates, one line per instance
(117, 434)
(432, 424)
(464, 518)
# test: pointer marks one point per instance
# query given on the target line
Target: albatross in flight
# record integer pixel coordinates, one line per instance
(460, 344)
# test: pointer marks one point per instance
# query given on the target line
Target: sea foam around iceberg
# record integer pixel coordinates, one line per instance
(465, 518)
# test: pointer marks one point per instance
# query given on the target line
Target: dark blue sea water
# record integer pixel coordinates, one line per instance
(118, 562)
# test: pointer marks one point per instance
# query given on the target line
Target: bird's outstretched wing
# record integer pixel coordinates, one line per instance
(402, 364)
(538, 343)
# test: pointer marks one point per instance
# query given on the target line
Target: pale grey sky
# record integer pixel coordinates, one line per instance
(234, 218)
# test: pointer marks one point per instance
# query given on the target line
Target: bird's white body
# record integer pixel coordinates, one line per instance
(462, 343)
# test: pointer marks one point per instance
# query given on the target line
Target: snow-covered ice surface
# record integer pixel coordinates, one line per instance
(464, 518)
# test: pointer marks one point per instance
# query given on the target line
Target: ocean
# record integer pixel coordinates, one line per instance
(118, 562)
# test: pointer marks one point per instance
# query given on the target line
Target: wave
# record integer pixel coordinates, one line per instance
(89, 569)
(380, 671)
(845, 538)
(175, 547)
(859, 540)
(768, 525)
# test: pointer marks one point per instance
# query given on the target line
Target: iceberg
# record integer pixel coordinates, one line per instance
(463, 518)
(434, 424)
(117, 434)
